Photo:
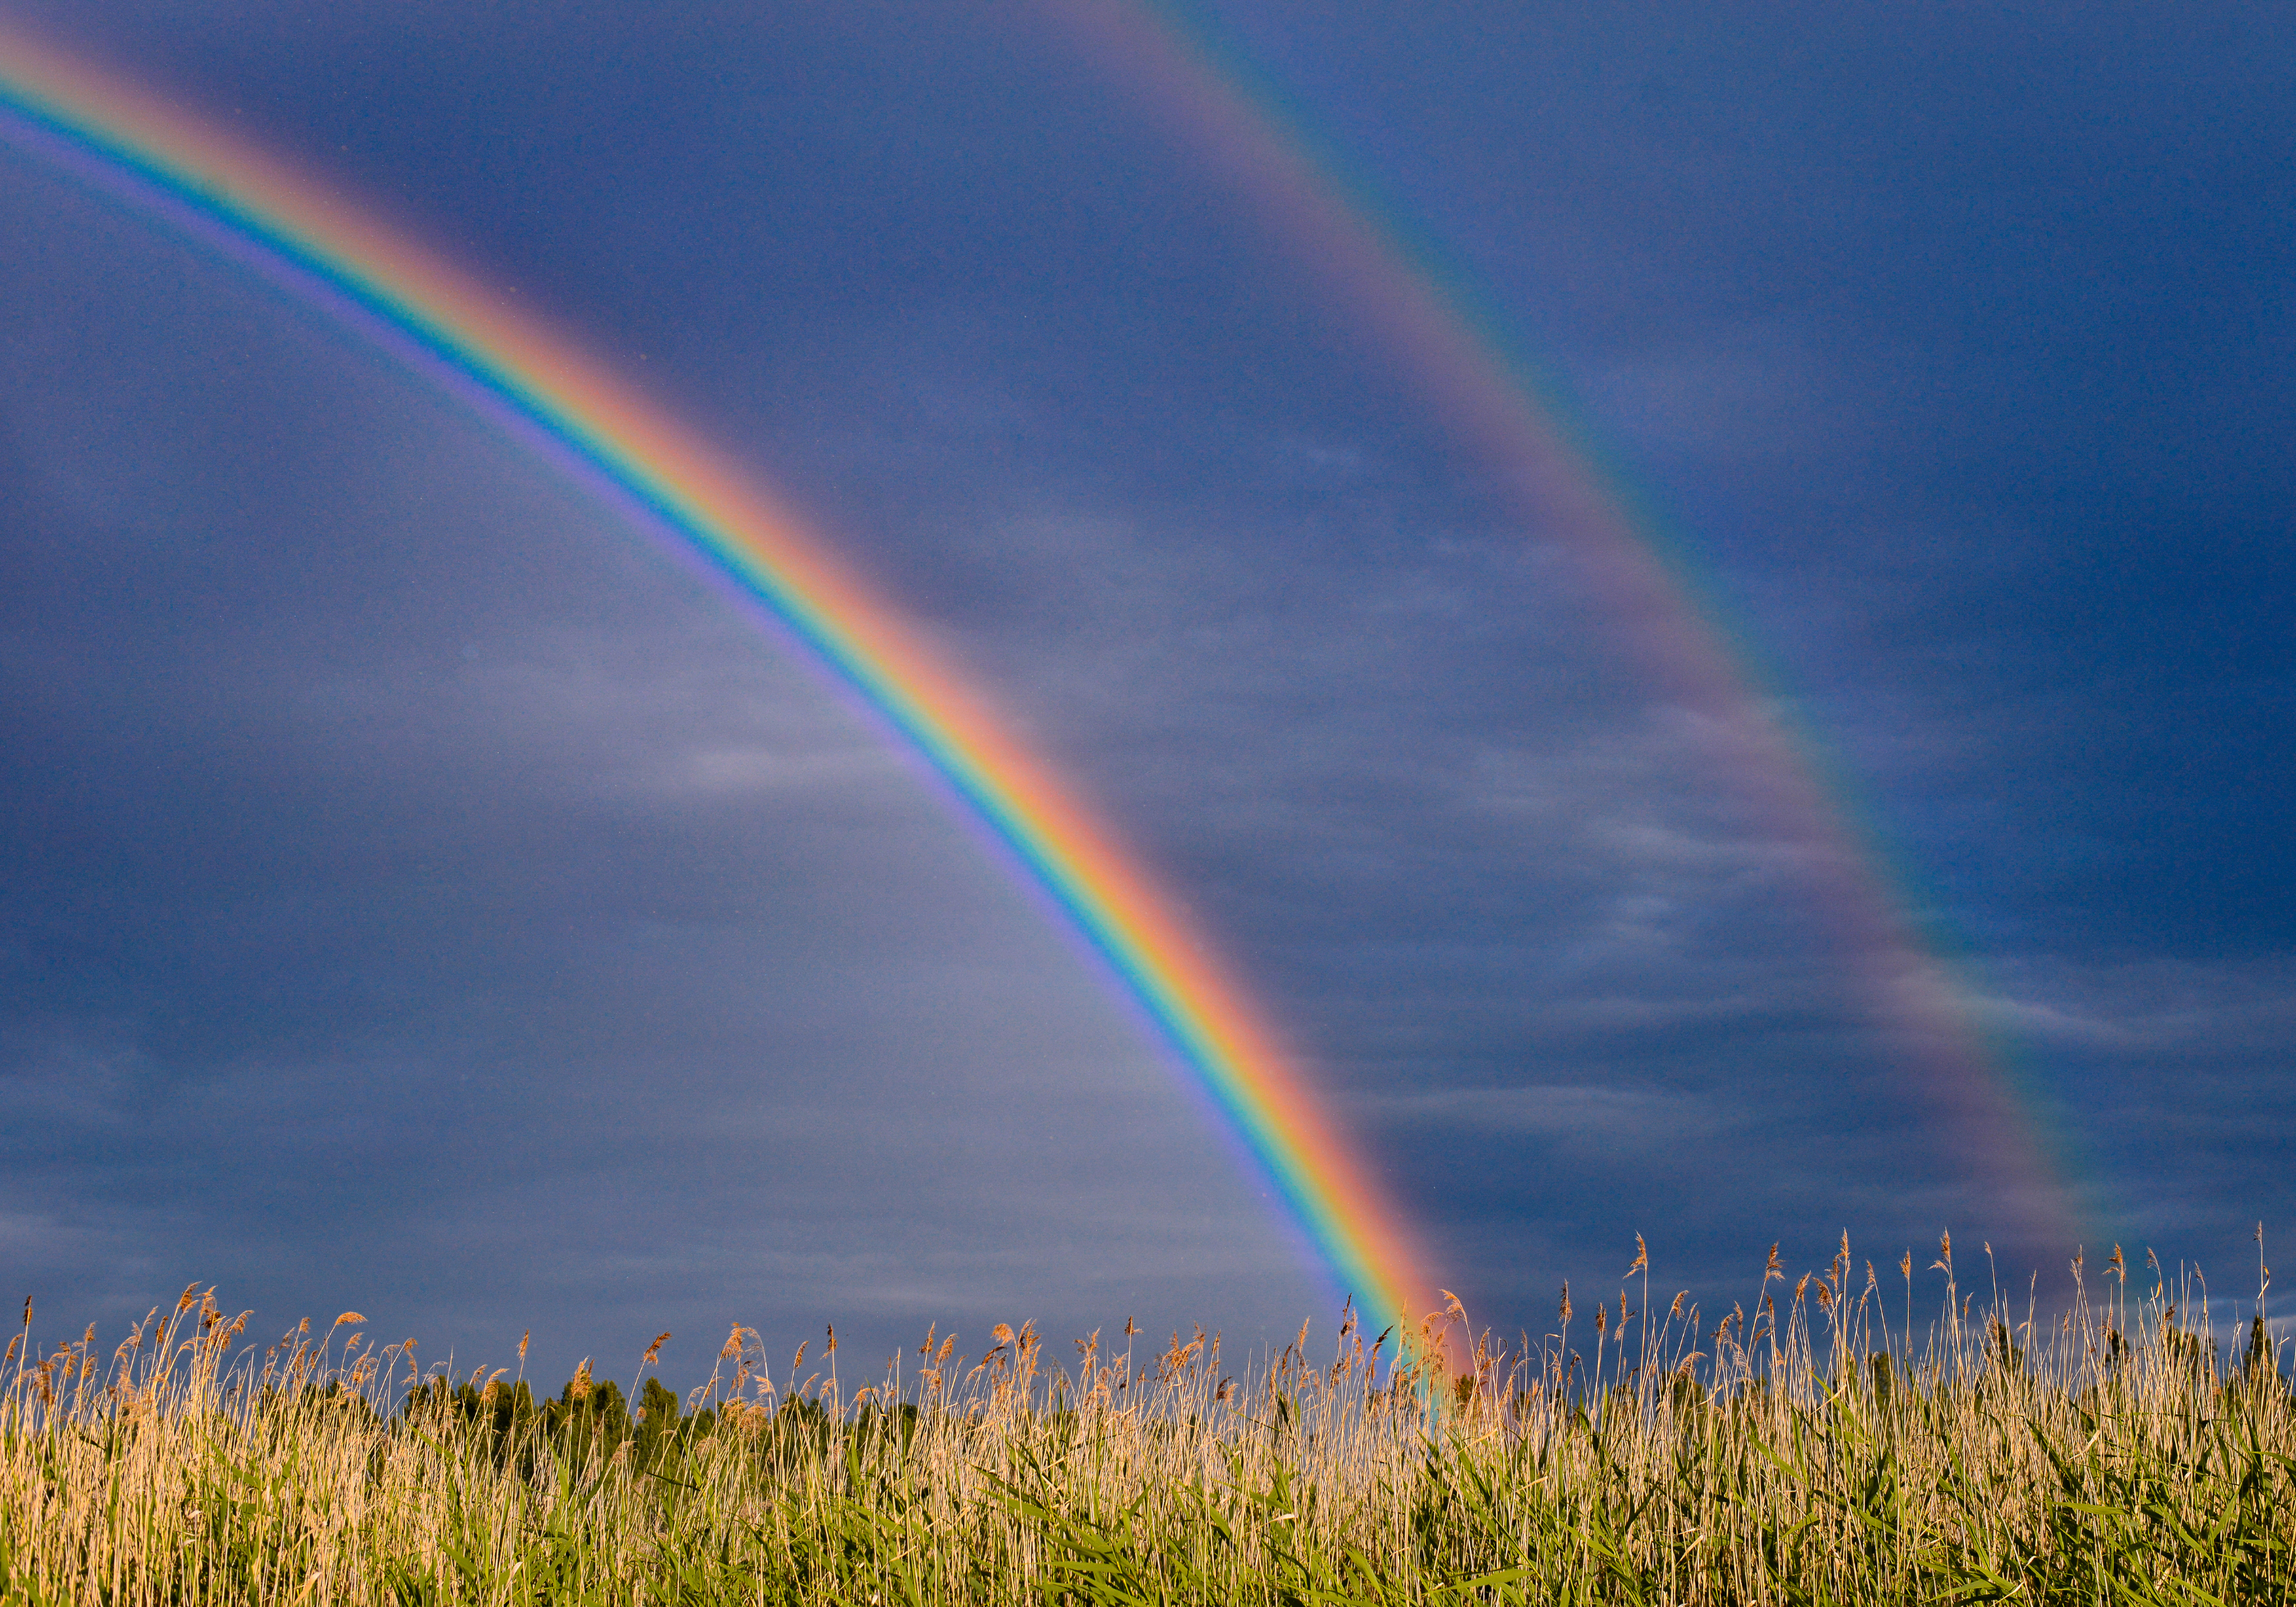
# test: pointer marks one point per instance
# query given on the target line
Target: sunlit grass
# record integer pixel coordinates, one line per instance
(1818, 1447)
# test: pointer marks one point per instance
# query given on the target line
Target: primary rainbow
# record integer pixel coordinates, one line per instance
(295, 229)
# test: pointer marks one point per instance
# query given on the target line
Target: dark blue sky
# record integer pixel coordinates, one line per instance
(423, 896)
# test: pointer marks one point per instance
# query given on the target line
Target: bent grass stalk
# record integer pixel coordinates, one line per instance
(2107, 1452)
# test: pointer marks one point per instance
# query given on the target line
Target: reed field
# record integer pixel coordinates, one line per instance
(1846, 1435)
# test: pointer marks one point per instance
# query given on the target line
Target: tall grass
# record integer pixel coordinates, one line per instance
(1815, 1448)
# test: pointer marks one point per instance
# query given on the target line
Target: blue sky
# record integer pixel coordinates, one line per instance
(427, 898)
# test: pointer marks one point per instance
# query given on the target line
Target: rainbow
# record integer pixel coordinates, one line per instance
(1397, 296)
(297, 231)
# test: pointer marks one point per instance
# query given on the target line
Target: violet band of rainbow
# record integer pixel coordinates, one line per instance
(260, 208)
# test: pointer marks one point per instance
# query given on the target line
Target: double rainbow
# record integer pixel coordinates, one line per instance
(284, 224)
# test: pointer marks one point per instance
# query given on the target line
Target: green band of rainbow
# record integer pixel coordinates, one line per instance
(330, 246)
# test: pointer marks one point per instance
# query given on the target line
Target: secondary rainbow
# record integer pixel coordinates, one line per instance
(1397, 298)
(301, 233)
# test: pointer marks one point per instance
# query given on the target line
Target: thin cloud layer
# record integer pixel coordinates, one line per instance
(426, 894)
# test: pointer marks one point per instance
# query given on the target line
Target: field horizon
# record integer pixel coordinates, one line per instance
(1820, 1443)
